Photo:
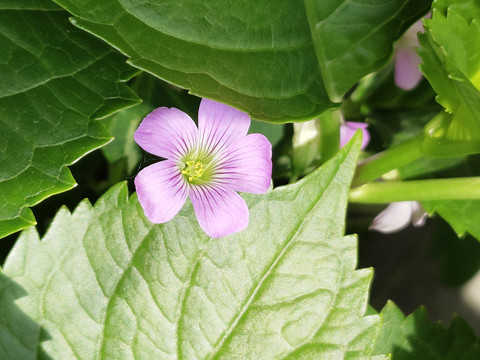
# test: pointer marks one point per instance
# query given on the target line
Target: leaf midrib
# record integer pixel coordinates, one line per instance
(228, 333)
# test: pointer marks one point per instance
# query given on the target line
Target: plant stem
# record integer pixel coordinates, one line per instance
(388, 160)
(420, 190)
(329, 123)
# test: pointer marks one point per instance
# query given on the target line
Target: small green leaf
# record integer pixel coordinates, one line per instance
(56, 80)
(417, 338)
(451, 62)
(462, 215)
(105, 282)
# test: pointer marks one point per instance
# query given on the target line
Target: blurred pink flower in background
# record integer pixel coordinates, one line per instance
(407, 73)
(208, 164)
(348, 129)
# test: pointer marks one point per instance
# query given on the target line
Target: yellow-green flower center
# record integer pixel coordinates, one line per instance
(193, 170)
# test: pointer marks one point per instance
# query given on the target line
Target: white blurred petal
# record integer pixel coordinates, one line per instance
(395, 217)
(419, 216)
(398, 215)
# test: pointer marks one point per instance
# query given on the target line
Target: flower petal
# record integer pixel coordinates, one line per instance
(395, 217)
(220, 211)
(167, 132)
(161, 191)
(419, 216)
(220, 125)
(246, 165)
(348, 129)
(407, 73)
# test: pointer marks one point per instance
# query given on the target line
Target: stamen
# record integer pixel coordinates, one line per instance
(193, 170)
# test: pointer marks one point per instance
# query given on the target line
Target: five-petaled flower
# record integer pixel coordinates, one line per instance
(208, 163)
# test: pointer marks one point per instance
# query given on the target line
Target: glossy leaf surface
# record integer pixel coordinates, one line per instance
(55, 81)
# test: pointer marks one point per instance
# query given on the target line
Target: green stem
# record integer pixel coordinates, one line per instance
(420, 190)
(329, 123)
(388, 160)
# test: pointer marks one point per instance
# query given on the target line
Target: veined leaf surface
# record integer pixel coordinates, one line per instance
(106, 283)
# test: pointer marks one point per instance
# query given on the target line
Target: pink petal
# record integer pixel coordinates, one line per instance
(348, 129)
(395, 217)
(407, 73)
(419, 216)
(167, 132)
(220, 125)
(220, 211)
(161, 191)
(247, 165)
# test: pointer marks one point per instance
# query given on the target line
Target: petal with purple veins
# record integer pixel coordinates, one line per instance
(220, 211)
(161, 190)
(246, 165)
(220, 125)
(167, 132)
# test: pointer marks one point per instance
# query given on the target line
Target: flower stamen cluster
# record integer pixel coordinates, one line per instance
(192, 170)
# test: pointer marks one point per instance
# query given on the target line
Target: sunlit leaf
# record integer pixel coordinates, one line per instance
(415, 337)
(451, 62)
(104, 280)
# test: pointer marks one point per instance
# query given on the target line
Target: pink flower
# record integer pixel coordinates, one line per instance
(208, 164)
(407, 73)
(348, 129)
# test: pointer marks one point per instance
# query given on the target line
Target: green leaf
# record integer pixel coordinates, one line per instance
(246, 54)
(18, 333)
(105, 282)
(56, 80)
(416, 337)
(258, 56)
(462, 215)
(354, 38)
(122, 126)
(458, 259)
(451, 62)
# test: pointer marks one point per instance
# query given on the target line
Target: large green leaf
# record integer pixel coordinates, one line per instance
(354, 38)
(106, 283)
(417, 338)
(257, 55)
(55, 81)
